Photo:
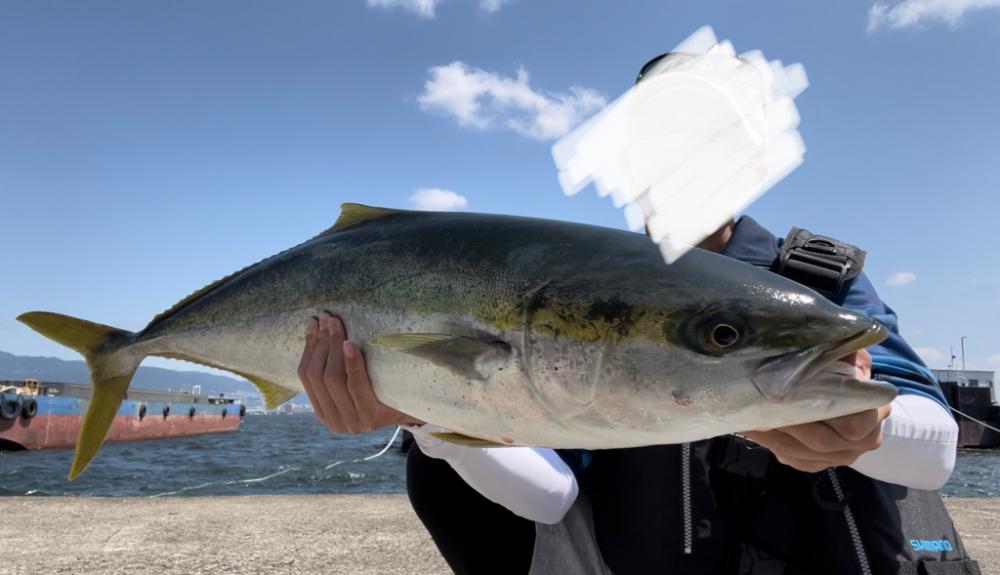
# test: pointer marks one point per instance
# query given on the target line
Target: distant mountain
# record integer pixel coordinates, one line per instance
(17, 367)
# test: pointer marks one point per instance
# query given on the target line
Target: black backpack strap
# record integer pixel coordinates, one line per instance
(820, 262)
(751, 560)
(962, 567)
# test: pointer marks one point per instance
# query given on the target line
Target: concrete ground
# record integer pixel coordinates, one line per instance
(330, 534)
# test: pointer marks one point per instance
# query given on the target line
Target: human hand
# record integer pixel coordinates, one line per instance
(332, 371)
(813, 447)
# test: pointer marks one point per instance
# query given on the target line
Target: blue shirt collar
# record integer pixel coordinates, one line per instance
(751, 243)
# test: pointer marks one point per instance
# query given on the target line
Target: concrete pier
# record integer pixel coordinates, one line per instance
(328, 534)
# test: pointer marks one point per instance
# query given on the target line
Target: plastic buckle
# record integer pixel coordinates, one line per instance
(745, 458)
(820, 262)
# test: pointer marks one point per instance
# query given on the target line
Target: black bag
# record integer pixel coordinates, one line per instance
(785, 522)
(902, 531)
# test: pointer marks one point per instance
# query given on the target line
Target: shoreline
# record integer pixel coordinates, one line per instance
(351, 534)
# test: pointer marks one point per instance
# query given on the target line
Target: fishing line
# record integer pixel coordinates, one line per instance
(983, 423)
(370, 457)
(231, 482)
(183, 489)
(266, 477)
(281, 472)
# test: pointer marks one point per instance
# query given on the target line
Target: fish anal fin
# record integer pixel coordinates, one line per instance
(461, 439)
(274, 394)
(464, 356)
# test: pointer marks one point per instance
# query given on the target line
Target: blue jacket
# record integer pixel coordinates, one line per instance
(687, 509)
(893, 360)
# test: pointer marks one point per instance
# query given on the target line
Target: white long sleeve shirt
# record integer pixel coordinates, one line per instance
(917, 451)
(919, 439)
(532, 482)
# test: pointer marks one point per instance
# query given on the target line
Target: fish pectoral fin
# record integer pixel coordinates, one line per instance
(470, 357)
(460, 439)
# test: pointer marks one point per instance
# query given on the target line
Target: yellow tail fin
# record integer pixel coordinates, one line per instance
(111, 364)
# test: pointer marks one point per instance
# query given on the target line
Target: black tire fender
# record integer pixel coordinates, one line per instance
(10, 409)
(29, 408)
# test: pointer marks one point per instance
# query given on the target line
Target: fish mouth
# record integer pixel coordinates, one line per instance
(874, 333)
(778, 376)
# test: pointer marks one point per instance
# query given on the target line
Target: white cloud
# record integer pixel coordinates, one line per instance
(909, 13)
(900, 279)
(437, 200)
(483, 100)
(422, 8)
(993, 361)
(931, 356)
(428, 8)
(491, 6)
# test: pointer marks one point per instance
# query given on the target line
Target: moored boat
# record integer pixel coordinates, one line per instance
(40, 415)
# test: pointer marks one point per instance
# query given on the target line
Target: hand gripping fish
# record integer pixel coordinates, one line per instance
(509, 330)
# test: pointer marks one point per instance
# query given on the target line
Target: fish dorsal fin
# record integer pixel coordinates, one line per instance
(470, 357)
(191, 297)
(197, 294)
(274, 394)
(351, 214)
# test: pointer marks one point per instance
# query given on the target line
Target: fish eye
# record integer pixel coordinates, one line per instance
(724, 335)
(720, 333)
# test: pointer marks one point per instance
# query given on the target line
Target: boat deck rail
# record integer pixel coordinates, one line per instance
(82, 390)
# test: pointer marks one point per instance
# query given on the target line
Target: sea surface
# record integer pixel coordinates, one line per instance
(286, 454)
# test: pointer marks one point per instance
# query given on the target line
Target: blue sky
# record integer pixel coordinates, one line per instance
(148, 148)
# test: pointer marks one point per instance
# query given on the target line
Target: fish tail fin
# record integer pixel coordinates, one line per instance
(112, 364)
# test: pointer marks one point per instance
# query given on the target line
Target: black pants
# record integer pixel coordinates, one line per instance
(475, 535)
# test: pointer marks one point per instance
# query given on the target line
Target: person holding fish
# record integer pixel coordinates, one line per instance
(847, 494)
(703, 507)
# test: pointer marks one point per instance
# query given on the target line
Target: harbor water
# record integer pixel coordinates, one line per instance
(285, 454)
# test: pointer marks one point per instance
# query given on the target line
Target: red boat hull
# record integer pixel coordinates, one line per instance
(47, 431)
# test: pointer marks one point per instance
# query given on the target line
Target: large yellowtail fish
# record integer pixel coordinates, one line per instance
(509, 330)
